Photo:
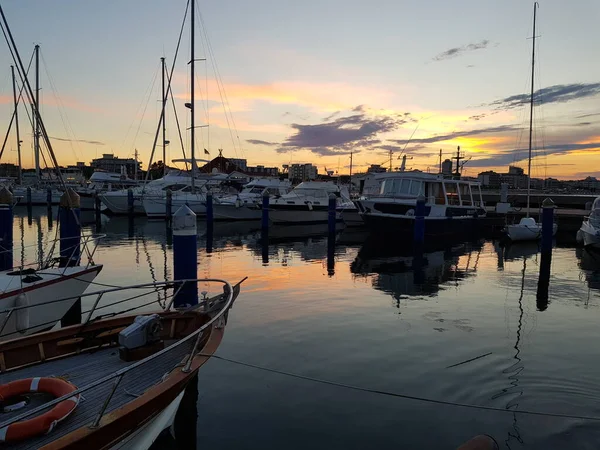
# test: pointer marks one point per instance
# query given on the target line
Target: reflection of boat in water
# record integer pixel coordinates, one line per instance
(400, 273)
(589, 263)
(299, 232)
(519, 250)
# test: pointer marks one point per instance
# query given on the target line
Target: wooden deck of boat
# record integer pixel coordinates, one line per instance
(83, 369)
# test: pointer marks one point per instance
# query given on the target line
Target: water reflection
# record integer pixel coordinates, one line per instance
(399, 272)
(514, 370)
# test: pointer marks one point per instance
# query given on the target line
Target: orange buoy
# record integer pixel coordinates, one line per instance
(481, 442)
(46, 422)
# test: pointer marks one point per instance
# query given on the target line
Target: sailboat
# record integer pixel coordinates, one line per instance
(528, 229)
(43, 191)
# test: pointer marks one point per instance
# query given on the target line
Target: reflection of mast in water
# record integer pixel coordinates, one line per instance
(40, 236)
(516, 368)
(22, 230)
(152, 272)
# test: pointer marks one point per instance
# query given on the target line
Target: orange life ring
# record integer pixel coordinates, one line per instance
(46, 422)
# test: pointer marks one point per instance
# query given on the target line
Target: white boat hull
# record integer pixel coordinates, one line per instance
(300, 215)
(520, 232)
(156, 206)
(38, 196)
(117, 203)
(227, 211)
(144, 437)
(55, 283)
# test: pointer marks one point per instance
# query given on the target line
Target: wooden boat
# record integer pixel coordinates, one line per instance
(119, 397)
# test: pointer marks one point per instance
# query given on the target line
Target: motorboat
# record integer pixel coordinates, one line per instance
(116, 380)
(247, 204)
(452, 205)
(589, 233)
(116, 201)
(309, 203)
(102, 182)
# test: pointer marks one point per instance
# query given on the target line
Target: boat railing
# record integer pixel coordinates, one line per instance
(117, 376)
(87, 246)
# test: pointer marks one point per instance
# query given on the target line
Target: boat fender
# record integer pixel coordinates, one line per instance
(579, 236)
(410, 212)
(238, 202)
(310, 206)
(45, 423)
(22, 315)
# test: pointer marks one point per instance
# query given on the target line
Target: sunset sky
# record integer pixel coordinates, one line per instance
(312, 81)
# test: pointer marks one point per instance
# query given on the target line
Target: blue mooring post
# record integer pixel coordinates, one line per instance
(209, 210)
(331, 220)
(546, 259)
(6, 229)
(547, 225)
(28, 199)
(49, 197)
(70, 229)
(331, 215)
(169, 206)
(419, 231)
(185, 256)
(70, 240)
(265, 212)
(130, 201)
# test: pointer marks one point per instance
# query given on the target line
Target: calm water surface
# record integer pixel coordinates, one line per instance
(368, 318)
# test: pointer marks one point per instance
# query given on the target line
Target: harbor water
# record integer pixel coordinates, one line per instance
(372, 347)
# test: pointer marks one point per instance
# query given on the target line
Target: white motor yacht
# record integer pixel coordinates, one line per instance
(589, 233)
(247, 204)
(309, 203)
(102, 182)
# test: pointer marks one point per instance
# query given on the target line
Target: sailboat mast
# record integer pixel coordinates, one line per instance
(14, 85)
(192, 78)
(164, 127)
(535, 5)
(36, 123)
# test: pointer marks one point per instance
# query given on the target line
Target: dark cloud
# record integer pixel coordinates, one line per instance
(470, 66)
(584, 124)
(478, 116)
(259, 142)
(84, 141)
(331, 116)
(359, 108)
(520, 154)
(559, 93)
(456, 134)
(456, 51)
(342, 135)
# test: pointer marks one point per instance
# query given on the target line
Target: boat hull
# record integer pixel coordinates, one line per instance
(590, 236)
(117, 203)
(227, 211)
(300, 214)
(352, 218)
(519, 232)
(436, 227)
(39, 197)
(55, 284)
(156, 206)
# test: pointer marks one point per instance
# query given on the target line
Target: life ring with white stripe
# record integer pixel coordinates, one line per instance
(46, 422)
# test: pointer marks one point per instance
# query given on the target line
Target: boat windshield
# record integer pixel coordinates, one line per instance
(308, 192)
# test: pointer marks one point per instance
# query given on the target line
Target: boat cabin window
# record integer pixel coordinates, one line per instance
(273, 191)
(401, 187)
(452, 193)
(465, 194)
(416, 188)
(436, 193)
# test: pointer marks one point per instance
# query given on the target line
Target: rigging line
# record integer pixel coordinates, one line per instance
(61, 109)
(221, 87)
(167, 93)
(398, 395)
(178, 126)
(138, 109)
(15, 107)
(145, 109)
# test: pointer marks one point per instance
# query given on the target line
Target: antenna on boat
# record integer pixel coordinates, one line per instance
(440, 160)
(192, 83)
(163, 118)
